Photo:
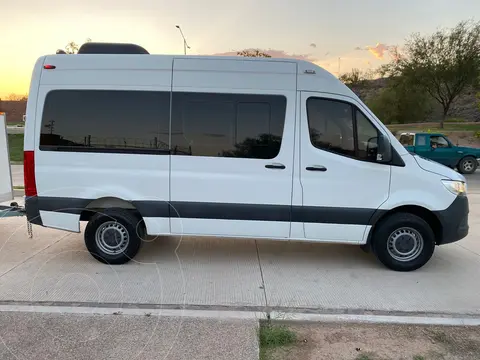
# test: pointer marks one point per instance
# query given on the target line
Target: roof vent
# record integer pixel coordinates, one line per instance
(111, 48)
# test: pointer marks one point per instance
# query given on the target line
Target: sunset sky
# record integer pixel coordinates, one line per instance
(318, 30)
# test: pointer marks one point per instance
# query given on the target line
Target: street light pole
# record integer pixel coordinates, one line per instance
(185, 45)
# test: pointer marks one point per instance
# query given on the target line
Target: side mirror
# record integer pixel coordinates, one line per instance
(384, 154)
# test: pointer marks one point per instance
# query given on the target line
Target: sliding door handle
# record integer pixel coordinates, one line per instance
(275, 166)
(316, 168)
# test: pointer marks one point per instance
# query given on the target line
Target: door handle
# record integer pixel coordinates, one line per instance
(275, 166)
(316, 168)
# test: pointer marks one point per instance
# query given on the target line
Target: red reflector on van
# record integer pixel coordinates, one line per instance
(29, 173)
(49, 67)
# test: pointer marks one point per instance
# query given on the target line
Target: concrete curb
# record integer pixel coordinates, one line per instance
(252, 315)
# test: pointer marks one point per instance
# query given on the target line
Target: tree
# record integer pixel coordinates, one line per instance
(356, 77)
(253, 53)
(400, 103)
(72, 47)
(444, 63)
(16, 97)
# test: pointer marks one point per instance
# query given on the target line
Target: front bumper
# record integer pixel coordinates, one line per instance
(454, 221)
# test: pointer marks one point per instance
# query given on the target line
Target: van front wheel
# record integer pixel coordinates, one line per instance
(111, 236)
(403, 242)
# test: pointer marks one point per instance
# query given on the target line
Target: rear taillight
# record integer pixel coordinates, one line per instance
(29, 173)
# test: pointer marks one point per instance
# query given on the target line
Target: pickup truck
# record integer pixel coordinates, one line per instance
(439, 148)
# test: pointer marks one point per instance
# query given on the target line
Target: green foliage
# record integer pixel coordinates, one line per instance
(272, 336)
(400, 103)
(276, 335)
(15, 147)
(443, 64)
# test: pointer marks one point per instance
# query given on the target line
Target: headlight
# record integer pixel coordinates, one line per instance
(455, 187)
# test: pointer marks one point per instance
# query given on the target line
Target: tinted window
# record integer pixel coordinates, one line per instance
(101, 120)
(331, 125)
(367, 136)
(421, 140)
(227, 125)
(438, 141)
(341, 128)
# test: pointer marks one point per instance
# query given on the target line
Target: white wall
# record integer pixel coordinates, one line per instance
(6, 190)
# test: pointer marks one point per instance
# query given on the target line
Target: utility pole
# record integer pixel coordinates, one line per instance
(185, 45)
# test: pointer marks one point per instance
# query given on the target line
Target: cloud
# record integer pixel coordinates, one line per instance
(378, 50)
(313, 45)
(274, 54)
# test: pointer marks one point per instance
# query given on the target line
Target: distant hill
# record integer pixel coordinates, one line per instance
(465, 107)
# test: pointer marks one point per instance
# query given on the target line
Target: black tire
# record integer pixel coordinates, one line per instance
(411, 225)
(467, 165)
(121, 223)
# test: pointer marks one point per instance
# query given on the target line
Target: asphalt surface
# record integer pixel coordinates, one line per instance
(41, 336)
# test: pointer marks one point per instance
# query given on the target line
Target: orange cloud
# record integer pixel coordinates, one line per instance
(275, 54)
(378, 50)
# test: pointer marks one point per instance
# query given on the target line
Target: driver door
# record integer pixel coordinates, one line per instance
(342, 183)
(443, 153)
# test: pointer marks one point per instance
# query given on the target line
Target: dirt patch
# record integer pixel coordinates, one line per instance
(380, 342)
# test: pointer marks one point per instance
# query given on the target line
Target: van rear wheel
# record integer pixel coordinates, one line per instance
(111, 236)
(403, 242)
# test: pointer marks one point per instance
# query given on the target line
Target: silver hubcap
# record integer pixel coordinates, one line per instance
(112, 238)
(468, 165)
(405, 244)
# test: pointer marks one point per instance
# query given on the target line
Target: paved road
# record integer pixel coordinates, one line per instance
(74, 336)
(194, 272)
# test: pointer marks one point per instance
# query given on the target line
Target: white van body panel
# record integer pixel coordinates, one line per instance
(185, 194)
(225, 180)
(130, 177)
(421, 188)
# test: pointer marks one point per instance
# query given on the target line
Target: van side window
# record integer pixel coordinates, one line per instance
(227, 125)
(106, 121)
(341, 128)
(331, 126)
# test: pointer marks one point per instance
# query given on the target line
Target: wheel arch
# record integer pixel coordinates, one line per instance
(106, 202)
(429, 216)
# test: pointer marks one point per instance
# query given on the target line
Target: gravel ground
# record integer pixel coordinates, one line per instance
(380, 342)
(74, 336)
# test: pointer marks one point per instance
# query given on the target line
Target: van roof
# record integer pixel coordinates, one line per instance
(310, 77)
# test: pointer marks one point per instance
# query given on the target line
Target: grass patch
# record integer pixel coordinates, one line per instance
(19, 187)
(419, 357)
(273, 336)
(15, 146)
(366, 356)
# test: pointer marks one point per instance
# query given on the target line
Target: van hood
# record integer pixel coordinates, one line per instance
(437, 168)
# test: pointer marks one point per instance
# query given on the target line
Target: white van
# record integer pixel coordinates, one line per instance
(140, 144)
